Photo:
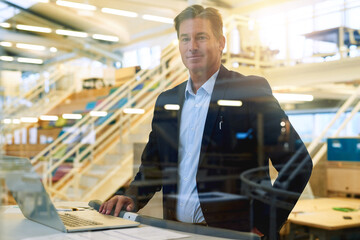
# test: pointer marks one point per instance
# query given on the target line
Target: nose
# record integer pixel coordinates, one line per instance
(193, 46)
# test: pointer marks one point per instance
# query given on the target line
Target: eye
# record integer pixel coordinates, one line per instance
(185, 39)
(202, 37)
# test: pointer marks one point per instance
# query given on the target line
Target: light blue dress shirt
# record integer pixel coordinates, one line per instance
(192, 124)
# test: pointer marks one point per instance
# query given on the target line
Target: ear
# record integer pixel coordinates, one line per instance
(221, 43)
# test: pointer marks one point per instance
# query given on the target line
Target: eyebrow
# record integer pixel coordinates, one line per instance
(200, 33)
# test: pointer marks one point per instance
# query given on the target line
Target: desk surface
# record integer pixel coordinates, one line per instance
(13, 226)
(319, 213)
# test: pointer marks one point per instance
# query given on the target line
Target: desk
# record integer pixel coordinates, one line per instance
(14, 226)
(318, 216)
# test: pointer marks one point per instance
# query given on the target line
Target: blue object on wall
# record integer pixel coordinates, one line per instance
(343, 149)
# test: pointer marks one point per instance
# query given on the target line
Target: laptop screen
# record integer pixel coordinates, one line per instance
(28, 191)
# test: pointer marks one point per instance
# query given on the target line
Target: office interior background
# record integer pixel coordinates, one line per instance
(79, 80)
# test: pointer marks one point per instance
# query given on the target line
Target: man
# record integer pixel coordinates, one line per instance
(227, 123)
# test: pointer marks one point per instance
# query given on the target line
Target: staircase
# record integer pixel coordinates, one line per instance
(40, 99)
(101, 167)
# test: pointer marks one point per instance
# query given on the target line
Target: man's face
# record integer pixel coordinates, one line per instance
(200, 50)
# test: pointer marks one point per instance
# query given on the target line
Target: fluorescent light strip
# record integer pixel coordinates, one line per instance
(33, 28)
(158, 19)
(7, 121)
(49, 118)
(6, 58)
(71, 33)
(71, 116)
(30, 60)
(29, 119)
(6, 44)
(53, 49)
(291, 97)
(230, 103)
(98, 113)
(119, 12)
(106, 37)
(16, 121)
(5, 25)
(30, 46)
(174, 107)
(134, 111)
(76, 5)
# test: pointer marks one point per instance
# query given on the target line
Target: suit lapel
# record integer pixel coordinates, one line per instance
(213, 112)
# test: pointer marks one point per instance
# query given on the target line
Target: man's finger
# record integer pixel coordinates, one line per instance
(109, 206)
(119, 205)
(130, 205)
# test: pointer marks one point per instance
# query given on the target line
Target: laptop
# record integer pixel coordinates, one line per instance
(35, 204)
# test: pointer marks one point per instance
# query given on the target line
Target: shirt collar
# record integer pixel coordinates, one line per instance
(208, 86)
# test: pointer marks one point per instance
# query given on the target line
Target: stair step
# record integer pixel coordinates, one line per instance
(139, 137)
(99, 170)
(89, 181)
(72, 194)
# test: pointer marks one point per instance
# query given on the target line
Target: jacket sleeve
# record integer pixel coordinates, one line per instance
(148, 178)
(283, 146)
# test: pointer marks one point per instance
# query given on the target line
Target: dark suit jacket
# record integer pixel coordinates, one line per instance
(249, 135)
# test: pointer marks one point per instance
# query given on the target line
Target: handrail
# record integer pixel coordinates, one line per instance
(109, 101)
(105, 138)
(323, 149)
(33, 93)
(343, 108)
(112, 132)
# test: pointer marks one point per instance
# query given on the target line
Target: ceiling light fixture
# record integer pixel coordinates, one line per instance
(98, 113)
(30, 46)
(105, 37)
(6, 44)
(5, 25)
(49, 118)
(53, 49)
(230, 103)
(291, 97)
(29, 119)
(71, 33)
(134, 111)
(173, 107)
(158, 19)
(30, 60)
(6, 58)
(82, 6)
(33, 28)
(16, 121)
(119, 12)
(71, 116)
(7, 121)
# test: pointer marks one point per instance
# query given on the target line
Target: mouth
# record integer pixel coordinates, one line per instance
(194, 57)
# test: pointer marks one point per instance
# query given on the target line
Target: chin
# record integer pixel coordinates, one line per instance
(195, 67)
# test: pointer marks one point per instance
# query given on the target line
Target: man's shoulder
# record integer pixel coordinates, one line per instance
(236, 79)
(171, 96)
(246, 78)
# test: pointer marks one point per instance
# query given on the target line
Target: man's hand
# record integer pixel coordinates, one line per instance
(118, 202)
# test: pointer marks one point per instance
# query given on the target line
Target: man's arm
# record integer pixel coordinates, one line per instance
(149, 169)
(287, 152)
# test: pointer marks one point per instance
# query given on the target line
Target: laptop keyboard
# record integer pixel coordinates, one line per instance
(75, 221)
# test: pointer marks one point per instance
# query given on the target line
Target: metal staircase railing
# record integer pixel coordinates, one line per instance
(43, 87)
(84, 154)
(315, 144)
